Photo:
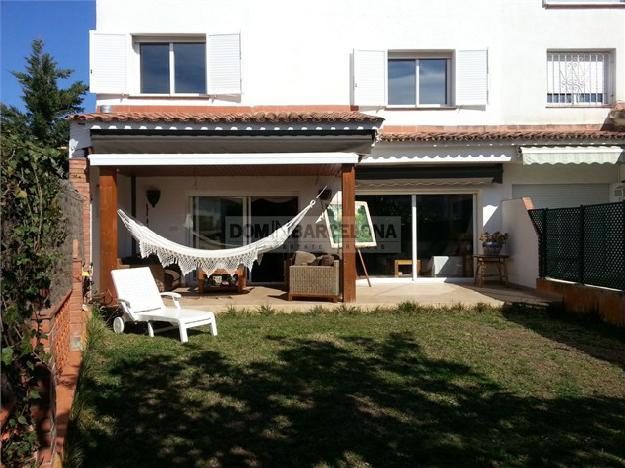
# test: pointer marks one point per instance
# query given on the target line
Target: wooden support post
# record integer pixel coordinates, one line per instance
(108, 230)
(348, 180)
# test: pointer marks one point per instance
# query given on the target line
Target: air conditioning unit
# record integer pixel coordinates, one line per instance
(617, 191)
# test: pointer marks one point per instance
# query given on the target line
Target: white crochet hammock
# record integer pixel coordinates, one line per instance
(189, 258)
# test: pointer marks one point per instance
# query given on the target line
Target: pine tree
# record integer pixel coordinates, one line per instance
(47, 105)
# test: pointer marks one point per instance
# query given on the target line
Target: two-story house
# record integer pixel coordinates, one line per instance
(431, 112)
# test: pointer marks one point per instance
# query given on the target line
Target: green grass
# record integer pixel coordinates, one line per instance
(405, 387)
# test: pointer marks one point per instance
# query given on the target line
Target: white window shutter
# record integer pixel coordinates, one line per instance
(471, 77)
(370, 68)
(223, 64)
(108, 62)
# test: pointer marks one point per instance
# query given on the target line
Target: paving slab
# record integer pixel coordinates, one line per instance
(378, 295)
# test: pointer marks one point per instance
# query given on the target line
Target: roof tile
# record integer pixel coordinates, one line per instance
(533, 132)
(246, 117)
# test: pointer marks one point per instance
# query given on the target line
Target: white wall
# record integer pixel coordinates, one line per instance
(522, 245)
(296, 53)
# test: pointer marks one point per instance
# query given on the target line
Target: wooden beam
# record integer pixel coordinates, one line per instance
(348, 181)
(108, 230)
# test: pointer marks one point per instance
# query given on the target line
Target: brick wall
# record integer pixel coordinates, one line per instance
(65, 324)
(79, 178)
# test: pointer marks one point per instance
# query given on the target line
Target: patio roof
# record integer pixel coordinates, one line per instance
(225, 132)
(229, 117)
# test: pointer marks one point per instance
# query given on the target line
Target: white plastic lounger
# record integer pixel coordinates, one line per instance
(141, 301)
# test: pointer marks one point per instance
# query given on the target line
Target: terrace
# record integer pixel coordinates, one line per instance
(378, 295)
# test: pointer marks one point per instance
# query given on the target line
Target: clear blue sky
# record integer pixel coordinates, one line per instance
(63, 25)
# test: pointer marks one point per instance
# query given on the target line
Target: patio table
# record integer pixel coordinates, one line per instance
(481, 268)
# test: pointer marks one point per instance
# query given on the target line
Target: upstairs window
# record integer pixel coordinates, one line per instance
(180, 64)
(173, 67)
(579, 78)
(419, 81)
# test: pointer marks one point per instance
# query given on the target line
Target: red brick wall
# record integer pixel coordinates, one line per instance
(65, 324)
(79, 178)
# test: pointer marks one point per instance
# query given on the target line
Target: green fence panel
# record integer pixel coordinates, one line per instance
(584, 244)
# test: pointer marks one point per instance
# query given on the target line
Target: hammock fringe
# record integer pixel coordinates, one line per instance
(189, 258)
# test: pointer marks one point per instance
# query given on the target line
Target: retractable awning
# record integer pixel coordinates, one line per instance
(230, 159)
(572, 155)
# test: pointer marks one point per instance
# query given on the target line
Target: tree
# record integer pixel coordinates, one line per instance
(31, 236)
(47, 105)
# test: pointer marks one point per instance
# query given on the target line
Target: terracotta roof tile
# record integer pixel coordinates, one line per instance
(247, 117)
(617, 115)
(533, 132)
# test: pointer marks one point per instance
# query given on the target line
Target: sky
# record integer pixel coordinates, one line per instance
(64, 27)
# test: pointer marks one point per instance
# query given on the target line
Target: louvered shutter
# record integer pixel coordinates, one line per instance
(471, 77)
(370, 68)
(223, 64)
(108, 62)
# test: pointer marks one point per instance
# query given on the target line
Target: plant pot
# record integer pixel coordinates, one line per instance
(492, 248)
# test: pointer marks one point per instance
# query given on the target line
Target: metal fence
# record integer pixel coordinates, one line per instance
(585, 244)
(71, 204)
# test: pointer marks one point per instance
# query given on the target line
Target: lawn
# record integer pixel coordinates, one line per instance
(404, 387)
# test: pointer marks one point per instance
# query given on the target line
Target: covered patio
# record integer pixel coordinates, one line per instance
(240, 155)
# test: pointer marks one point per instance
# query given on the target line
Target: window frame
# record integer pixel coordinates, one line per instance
(609, 78)
(417, 57)
(171, 40)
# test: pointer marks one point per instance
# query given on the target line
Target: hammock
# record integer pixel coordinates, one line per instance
(189, 258)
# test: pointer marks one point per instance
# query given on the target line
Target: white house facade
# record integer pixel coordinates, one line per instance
(434, 113)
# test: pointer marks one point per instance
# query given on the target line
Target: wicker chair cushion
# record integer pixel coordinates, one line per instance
(303, 258)
(326, 260)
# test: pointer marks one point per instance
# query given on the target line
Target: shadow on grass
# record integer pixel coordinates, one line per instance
(606, 342)
(333, 401)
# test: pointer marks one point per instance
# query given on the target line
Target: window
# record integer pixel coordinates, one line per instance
(418, 82)
(173, 67)
(578, 78)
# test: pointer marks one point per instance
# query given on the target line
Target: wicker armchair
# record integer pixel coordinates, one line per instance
(314, 281)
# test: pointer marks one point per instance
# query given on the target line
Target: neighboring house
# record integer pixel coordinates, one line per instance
(432, 112)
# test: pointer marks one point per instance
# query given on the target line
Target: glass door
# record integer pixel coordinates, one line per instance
(226, 222)
(217, 222)
(420, 235)
(444, 235)
(266, 215)
(392, 219)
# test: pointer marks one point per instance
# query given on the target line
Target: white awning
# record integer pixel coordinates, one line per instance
(230, 159)
(572, 155)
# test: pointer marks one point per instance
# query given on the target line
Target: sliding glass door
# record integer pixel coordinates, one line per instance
(217, 222)
(420, 235)
(391, 216)
(444, 235)
(266, 215)
(226, 222)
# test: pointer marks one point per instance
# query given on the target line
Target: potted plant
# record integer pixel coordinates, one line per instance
(493, 243)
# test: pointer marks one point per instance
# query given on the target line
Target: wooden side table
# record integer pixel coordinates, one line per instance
(401, 262)
(482, 263)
